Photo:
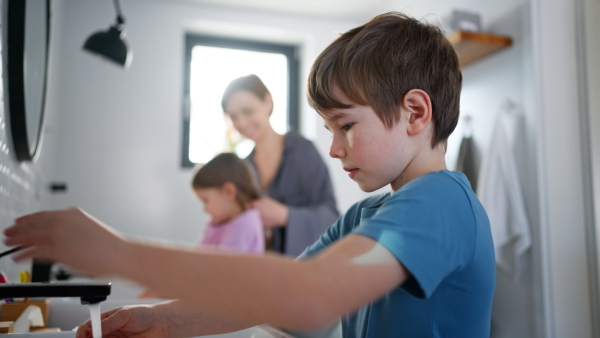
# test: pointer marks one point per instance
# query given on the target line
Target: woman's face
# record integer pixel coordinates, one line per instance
(249, 114)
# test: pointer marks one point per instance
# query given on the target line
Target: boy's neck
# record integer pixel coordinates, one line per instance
(426, 161)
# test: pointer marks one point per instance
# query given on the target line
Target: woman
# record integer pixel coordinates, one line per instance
(298, 203)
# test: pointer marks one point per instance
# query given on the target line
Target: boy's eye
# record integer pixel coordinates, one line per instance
(347, 126)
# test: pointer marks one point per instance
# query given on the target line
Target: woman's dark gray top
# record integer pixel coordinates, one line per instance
(302, 182)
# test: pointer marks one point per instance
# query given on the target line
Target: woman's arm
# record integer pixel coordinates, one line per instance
(305, 185)
(250, 289)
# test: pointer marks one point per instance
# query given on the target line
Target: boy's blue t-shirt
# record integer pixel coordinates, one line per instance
(437, 228)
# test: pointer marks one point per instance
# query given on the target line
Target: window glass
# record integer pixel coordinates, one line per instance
(211, 70)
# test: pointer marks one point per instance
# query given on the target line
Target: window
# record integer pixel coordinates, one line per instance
(210, 64)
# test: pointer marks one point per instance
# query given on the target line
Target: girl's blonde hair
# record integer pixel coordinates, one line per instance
(228, 167)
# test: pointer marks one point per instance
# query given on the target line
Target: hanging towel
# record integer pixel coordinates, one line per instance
(501, 195)
(466, 160)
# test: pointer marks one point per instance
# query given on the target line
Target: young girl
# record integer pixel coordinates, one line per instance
(227, 188)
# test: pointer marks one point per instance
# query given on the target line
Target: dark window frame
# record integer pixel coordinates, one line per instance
(290, 51)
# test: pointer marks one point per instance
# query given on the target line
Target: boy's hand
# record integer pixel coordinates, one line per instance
(68, 236)
(149, 294)
(127, 321)
(272, 213)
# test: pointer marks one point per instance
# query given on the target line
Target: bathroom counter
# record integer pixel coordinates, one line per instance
(68, 313)
(254, 332)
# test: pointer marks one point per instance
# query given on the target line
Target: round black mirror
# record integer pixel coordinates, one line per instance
(26, 36)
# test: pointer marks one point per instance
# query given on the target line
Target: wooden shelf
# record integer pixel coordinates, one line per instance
(471, 46)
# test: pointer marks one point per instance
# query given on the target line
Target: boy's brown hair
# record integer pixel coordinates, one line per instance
(377, 63)
(224, 168)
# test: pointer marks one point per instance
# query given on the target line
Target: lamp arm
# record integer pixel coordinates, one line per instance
(120, 18)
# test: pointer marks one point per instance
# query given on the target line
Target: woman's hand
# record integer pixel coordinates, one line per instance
(68, 236)
(127, 321)
(272, 213)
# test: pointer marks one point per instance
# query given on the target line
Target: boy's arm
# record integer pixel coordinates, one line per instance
(249, 289)
(270, 289)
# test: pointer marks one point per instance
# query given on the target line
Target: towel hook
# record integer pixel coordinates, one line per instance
(468, 126)
(509, 106)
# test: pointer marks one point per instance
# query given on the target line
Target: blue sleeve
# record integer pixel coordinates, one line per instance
(326, 239)
(429, 227)
(343, 226)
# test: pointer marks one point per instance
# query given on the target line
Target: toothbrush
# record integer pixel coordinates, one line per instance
(13, 250)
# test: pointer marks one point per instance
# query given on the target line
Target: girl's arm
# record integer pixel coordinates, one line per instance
(251, 289)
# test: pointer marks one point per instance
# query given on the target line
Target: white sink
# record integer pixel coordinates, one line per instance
(64, 334)
(255, 332)
(68, 313)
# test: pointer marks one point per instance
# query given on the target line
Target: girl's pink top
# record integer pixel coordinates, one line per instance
(242, 234)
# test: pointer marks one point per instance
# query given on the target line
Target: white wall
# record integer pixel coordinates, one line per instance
(21, 188)
(487, 85)
(591, 28)
(117, 135)
(555, 297)
(564, 262)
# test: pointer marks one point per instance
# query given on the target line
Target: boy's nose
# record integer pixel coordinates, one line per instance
(336, 151)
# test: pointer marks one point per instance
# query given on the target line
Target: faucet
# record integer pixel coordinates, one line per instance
(41, 271)
(89, 293)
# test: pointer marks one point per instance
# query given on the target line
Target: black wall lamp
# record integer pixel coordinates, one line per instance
(109, 44)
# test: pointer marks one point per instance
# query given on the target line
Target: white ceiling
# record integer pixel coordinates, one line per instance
(362, 10)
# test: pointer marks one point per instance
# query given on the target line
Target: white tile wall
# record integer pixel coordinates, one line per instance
(18, 182)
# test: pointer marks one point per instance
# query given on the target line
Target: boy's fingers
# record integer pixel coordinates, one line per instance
(18, 237)
(35, 220)
(114, 320)
(30, 230)
(108, 313)
(22, 229)
(10, 231)
(29, 253)
(84, 330)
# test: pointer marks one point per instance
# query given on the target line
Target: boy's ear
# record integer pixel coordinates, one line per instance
(418, 104)
(230, 190)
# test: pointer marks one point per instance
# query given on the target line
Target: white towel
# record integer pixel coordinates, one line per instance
(31, 316)
(500, 193)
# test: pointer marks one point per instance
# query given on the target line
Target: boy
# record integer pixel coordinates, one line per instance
(418, 262)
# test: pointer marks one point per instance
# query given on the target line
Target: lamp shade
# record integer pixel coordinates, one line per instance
(108, 44)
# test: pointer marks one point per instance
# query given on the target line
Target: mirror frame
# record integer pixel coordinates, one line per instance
(14, 85)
